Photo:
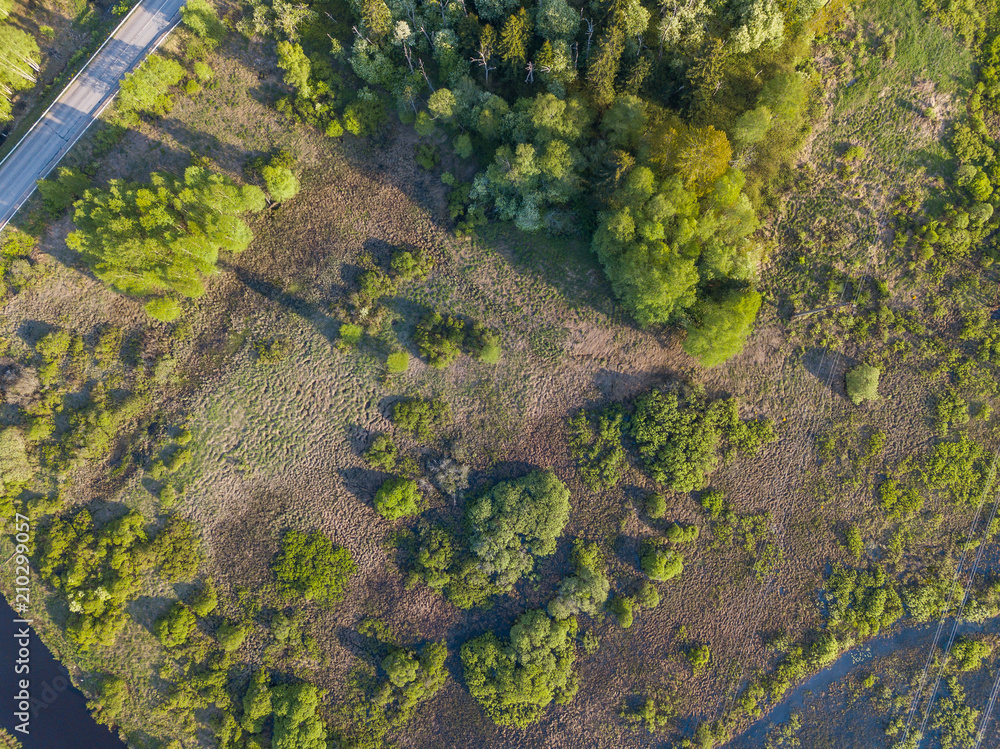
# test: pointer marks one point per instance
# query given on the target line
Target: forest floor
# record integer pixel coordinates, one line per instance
(278, 446)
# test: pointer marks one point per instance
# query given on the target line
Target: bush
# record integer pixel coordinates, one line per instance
(112, 695)
(297, 724)
(311, 566)
(699, 657)
(682, 534)
(647, 597)
(659, 563)
(433, 558)
(969, 654)
(175, 627)
(349, 335)
(205, 600)
(421, 417)
(231, 635)
(397, 361)
(866, 601)
(587, 589)
(408, 265)
(514, 682)
(853, 542)
(862, 384)
(256, 702)
(715, 502)
(656, 506)
(622, 609)
(147, 90)
(413, 678)
(440, 338)
(484, 344)
(596, 441)
(164, 309)
(381, 453)
(398, 498)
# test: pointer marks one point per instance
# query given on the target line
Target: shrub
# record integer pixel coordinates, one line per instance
(112, 695)
(279, 179)
(175, 627)
(715, 502)
(969, 654)
(484, 344)
(659, 563)
(433, 558)
(398, 498)
(622, 609)
(350, 335)
(596, 441)
(297, 724)
(514, 522)
(381, 453)
(862, 384)
(647, 597)
(408, 265)
(311, 566)
(413, 678)
(656, 506)
(421, 417)
(853, 543)
(587, 589)
(682, 534)
(256, 702)
(397, 361)
(699, 657)
(514, 682)
(866, 601)
(205, 600)
(147, 90)
(440, 338)
(231, 635)
(164, 309)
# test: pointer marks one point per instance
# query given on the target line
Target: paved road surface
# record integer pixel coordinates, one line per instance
(51, 137)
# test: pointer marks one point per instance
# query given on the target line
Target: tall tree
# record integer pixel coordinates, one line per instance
(514, 38)
(163, 237)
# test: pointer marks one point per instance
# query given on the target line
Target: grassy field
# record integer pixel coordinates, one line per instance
(277, 446)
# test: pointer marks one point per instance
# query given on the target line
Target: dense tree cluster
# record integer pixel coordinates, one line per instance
(310, 565)
(100, 569)
(162, 238)
(515, 681)
(515, 522)
(865, 601)
(596, 440)
(575, 113)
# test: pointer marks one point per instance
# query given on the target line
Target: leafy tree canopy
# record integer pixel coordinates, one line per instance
(515, 681)
(311, 566)
(516, 521)
(164, 237)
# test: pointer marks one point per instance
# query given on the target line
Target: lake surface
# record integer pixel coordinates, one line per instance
(59, 718)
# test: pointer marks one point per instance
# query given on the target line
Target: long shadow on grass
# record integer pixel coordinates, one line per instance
(309, 311)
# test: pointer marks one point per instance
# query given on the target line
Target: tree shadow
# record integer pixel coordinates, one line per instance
(325, 324)
(829, 367)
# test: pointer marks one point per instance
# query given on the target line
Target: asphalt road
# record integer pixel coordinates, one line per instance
(83, 99)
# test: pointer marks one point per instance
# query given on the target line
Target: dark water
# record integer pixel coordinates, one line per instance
(59, 718)
(878, 647)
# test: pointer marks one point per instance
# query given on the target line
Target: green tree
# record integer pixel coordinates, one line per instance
(257, 702)
(281, 182)
(231, 635)
(555, 19)
(722, 327)
(165, 236)
(292, 59)
(514, 682)
(147, 90)
(311, 566)
(60, 193)
(297, 724)
(175, 627)
(587, 589)
(398, 498)
(19, 54)
(200, 17)
(514, 38)
(862, 384)
(661, 564)
(514, 522)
